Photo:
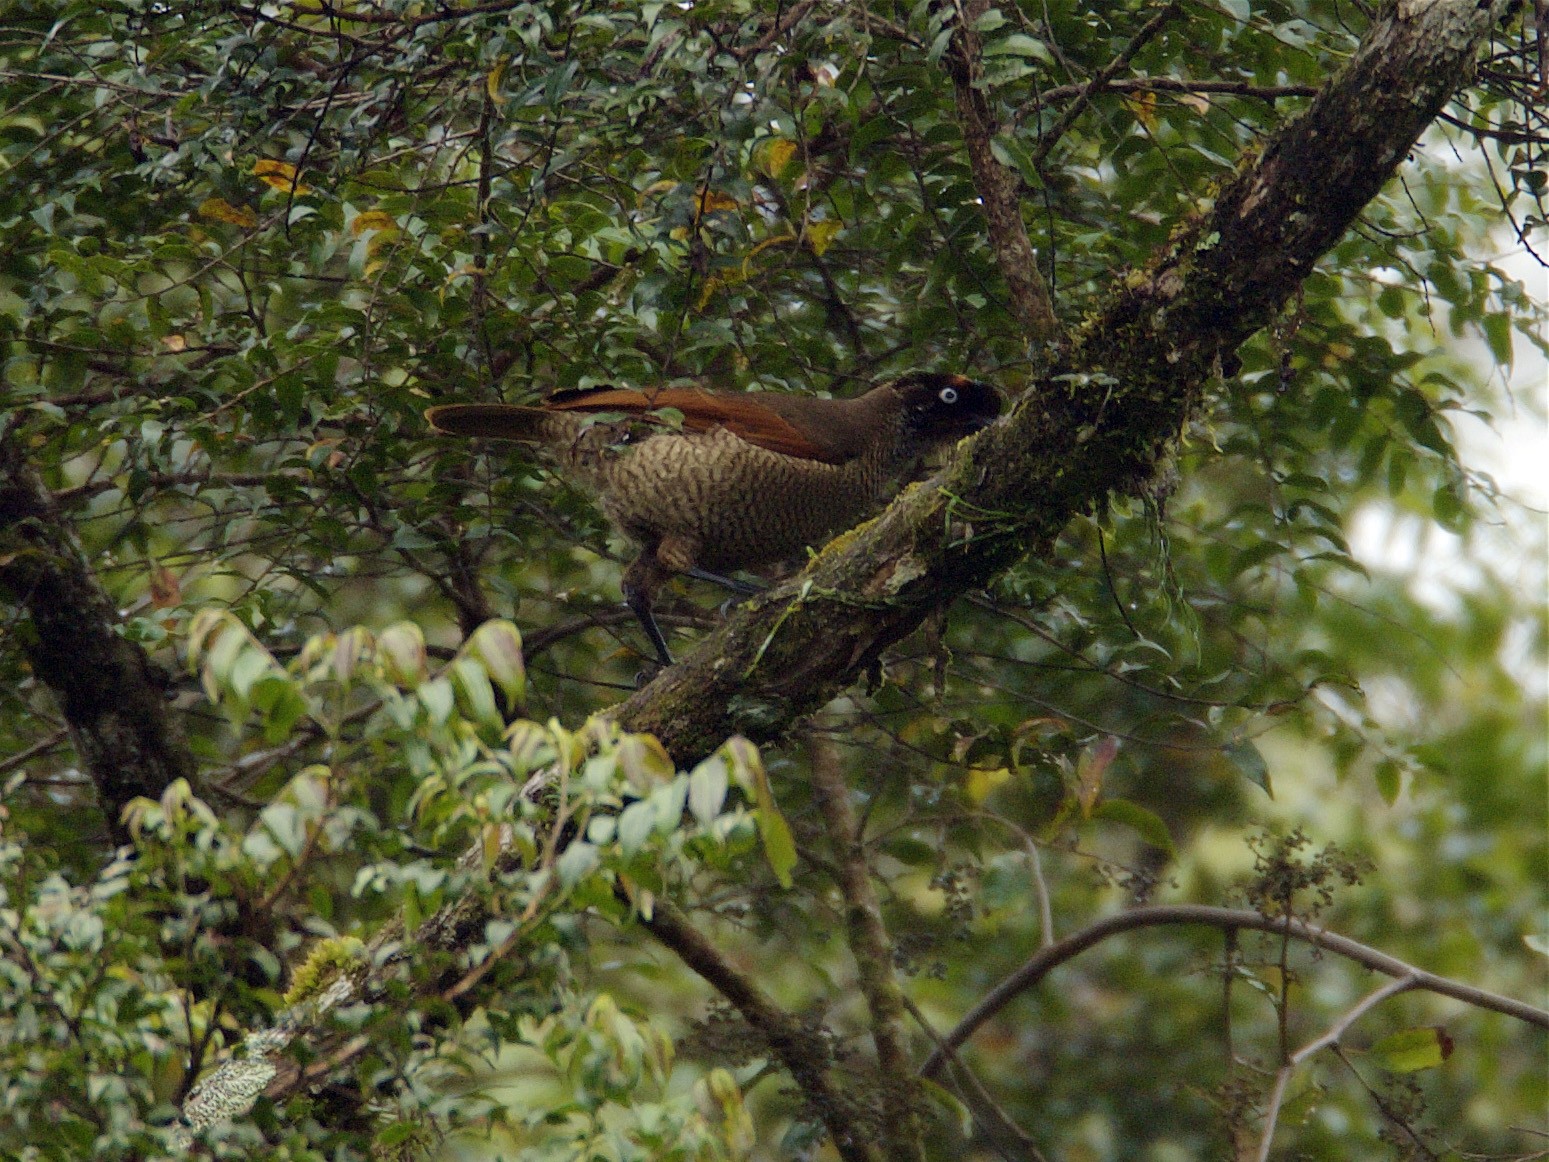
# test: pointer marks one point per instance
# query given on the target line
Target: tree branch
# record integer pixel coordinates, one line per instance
(105, 683)
(1047, 141)
(1328, 1039)
(794, 1045)
(1045, 960)
(902, 1130)
(997, 186)
(1099, 420)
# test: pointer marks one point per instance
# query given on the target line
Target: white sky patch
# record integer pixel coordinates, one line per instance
(1513, 542)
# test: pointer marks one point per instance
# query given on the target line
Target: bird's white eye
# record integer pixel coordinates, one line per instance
(947, 395)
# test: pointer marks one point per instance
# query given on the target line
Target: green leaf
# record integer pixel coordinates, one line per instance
(1245, 756)
(1019, 44)
(779, 844)
(1388, 776)
(1497, 333)
(1412, 1050)
(1447, 507)
(1146, 824)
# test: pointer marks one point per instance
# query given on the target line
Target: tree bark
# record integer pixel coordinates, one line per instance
(125, 738)
(1098, 421)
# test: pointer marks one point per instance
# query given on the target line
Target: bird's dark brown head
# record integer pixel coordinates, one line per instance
(941, 408)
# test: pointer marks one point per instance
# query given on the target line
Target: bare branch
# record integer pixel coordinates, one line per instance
(796, 1048)
(997, 186)
(902, 1129)
(1231, 919)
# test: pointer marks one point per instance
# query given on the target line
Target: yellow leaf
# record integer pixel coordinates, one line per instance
(657, 187)
(1143, 106)
(165, 590)
(1412, 1050)
(982, 782)
(174, 342)
(821, 234)
(220, 210)
(372, 220)
(279, 175)
(773, 155)
(493, 77)
(710, 202)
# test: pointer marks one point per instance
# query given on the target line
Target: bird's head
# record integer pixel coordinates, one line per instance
(940, 409)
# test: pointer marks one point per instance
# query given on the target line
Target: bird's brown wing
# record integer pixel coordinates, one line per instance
(742, 415)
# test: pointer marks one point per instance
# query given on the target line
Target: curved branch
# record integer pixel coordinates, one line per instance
(1230, 919)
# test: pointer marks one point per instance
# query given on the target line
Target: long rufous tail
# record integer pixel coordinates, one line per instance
(492, 421)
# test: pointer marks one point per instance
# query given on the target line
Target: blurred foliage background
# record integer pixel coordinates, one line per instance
(247, 244)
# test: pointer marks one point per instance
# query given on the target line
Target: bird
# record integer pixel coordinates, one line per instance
(704, 483)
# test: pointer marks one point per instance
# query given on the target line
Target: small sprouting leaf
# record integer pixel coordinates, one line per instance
(707, 786)
(401, 650)
(645, 762)
(349, 649)
(1411, 1050)
(438, 698)
(577, 862)
(635, 825)
(474, 684)
(498, 647)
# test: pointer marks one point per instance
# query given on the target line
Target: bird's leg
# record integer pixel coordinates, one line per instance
(741, 588)
(642, 577)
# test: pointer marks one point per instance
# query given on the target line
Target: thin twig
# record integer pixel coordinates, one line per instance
(1329, 1038)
